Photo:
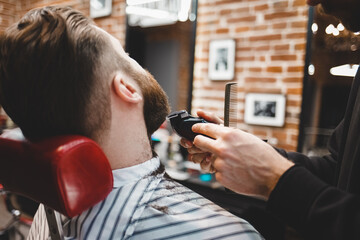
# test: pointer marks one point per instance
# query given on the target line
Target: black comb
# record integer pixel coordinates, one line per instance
(230, 108)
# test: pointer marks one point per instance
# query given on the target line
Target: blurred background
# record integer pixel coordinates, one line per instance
(276, 49)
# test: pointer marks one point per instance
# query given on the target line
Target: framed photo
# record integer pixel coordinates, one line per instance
(221, 59)
(265, 109)
(100, 8)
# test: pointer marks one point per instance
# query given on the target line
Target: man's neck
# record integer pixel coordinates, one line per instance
(127, 144)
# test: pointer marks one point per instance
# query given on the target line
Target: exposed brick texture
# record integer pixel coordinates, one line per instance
(270, 40)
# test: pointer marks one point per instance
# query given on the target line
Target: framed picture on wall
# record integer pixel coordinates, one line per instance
(100, 8)
(265, 109)
(221, 59)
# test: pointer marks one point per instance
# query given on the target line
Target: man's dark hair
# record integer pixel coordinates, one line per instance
(55, 70)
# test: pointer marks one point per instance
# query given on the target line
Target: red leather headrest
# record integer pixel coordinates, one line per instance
(68, 173)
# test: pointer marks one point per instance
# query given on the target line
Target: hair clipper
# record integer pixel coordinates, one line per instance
(182, 122)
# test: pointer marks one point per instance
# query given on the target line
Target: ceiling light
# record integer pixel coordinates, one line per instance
(137, 2)
(340, 27)
(329, 29)
(192, 17)
(336, 32)
(345, 70)
(184, 10)
(148, 12)
(311, 69)
(314, 27)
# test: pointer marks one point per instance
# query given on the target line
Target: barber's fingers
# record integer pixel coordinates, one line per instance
(210, 117)
(211, 158)
(199, 157)
(212, 169)
(205, 144)
(195, 150)
(186, 143)
(207, 166)
(191, 148)
(210, 129)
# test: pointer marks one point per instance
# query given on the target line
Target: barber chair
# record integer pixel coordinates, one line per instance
(67, 174)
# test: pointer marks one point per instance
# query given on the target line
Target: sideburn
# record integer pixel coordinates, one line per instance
(156, 104)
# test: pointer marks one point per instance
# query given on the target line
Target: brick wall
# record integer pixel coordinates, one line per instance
(270, 40)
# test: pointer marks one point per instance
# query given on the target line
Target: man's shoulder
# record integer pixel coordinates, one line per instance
(175, 211)
(171, 198)
(155, 206)
(174, 191)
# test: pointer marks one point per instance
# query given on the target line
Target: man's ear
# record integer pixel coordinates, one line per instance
(126, 90)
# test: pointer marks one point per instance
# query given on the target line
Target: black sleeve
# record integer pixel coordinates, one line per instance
(323, 167)
(314, 208)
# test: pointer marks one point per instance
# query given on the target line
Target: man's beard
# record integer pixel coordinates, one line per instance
(156, 104)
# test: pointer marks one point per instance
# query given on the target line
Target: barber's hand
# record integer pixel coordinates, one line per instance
(196, 155)
(244, 163)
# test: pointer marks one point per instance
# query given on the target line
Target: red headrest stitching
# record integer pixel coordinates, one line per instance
(67, 173)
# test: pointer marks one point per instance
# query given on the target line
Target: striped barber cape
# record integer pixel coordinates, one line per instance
(144, 204)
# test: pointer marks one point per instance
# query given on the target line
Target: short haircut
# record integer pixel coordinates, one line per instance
(55, 72)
